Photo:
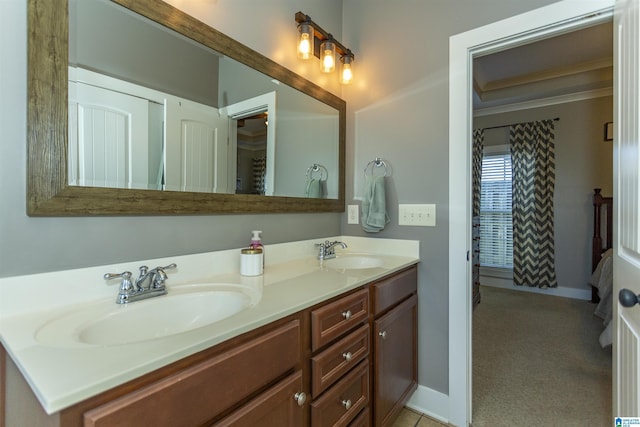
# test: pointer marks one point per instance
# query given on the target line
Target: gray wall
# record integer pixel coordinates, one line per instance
(398, 109)
(584, 161)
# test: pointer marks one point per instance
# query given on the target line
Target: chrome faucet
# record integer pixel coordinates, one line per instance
(327, 249)
(150, 283)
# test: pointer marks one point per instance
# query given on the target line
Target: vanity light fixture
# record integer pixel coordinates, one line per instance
(313, 40)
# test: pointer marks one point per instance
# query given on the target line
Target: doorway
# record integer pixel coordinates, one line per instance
(557, 18)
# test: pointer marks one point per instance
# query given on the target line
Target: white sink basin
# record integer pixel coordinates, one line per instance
(354, 261)
(183, 309)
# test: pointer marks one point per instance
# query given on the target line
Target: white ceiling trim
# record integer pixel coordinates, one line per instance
(545, 102)
(546, 75)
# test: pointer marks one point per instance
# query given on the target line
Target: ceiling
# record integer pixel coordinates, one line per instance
(549, 70)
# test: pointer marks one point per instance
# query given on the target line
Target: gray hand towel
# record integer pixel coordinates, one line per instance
(314, 189)
(374, 211)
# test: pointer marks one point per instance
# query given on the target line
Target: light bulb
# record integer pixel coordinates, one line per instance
(328, 64)
(304, 47)
(328, 57)
(346, 74)
(305, 41)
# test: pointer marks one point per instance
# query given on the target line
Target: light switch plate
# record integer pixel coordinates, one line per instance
(417, 215)
(352, 214)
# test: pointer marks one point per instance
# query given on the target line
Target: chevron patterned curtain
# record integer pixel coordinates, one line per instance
(476, 168)
(533, 163)
(259, 171)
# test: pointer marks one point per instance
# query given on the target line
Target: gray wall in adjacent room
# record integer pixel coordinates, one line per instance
(584, 161)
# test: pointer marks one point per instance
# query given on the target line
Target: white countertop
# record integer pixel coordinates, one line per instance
(61, 376)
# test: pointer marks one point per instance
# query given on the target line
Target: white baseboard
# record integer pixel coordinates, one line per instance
(495, 282)
(431, 403)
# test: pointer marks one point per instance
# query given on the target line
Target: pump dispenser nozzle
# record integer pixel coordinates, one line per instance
(256, 243)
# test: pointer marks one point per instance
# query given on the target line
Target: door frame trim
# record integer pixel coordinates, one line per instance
(557, 18)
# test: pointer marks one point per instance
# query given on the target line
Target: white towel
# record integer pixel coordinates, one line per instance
(374, 211)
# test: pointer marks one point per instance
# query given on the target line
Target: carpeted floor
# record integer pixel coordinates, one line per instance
(537, 362)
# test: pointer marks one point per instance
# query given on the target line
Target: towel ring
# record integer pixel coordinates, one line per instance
(377, 163)
(317, 168)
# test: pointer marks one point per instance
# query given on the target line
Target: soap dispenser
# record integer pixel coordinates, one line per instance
(252, 258)
(251, 262)
(256, 242)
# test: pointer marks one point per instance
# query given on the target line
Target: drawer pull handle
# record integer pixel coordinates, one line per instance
(300, 397)
(346, 314)
(347, 356)
(383, 334)
(346, 404)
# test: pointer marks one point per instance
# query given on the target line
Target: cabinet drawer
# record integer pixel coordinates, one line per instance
(333, 320)
(208, 388)
(394, 289)
(362, 420)
(339, 405)
(328, 366)
(276, 407)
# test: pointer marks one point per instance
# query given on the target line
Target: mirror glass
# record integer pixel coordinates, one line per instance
(55, 185)
(151, 109)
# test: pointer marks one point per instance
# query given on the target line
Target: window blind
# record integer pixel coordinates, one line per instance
(496, 229)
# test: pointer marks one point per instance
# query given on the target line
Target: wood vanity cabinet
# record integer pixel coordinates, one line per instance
(250, 380)
(395, 344)
(343, 343)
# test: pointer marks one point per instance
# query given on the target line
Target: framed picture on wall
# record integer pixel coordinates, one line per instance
(608, 131)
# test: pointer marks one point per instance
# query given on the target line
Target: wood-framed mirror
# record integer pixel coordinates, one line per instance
(48, 189)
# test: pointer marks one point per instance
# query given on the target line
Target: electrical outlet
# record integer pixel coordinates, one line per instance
(417, 215)
(353, 217)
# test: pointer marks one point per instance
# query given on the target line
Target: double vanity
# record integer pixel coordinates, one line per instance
(310, 342)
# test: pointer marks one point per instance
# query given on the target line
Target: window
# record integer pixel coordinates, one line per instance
(496, 229)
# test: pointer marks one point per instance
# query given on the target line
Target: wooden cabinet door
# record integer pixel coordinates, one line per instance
(395, 351)
(201, 392)
(279, 406)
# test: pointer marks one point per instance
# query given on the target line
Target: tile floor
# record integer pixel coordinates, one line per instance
(409, 418)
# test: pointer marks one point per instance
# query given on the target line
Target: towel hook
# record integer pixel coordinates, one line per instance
(377, 163)
(324, 174)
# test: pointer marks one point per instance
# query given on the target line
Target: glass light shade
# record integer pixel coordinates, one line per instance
(346, 74)
(327, 56)
(305, 41)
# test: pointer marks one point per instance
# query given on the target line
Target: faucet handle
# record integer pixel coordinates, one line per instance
(126, 285)
(144, 269)
(161, 276)
(321, 249)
